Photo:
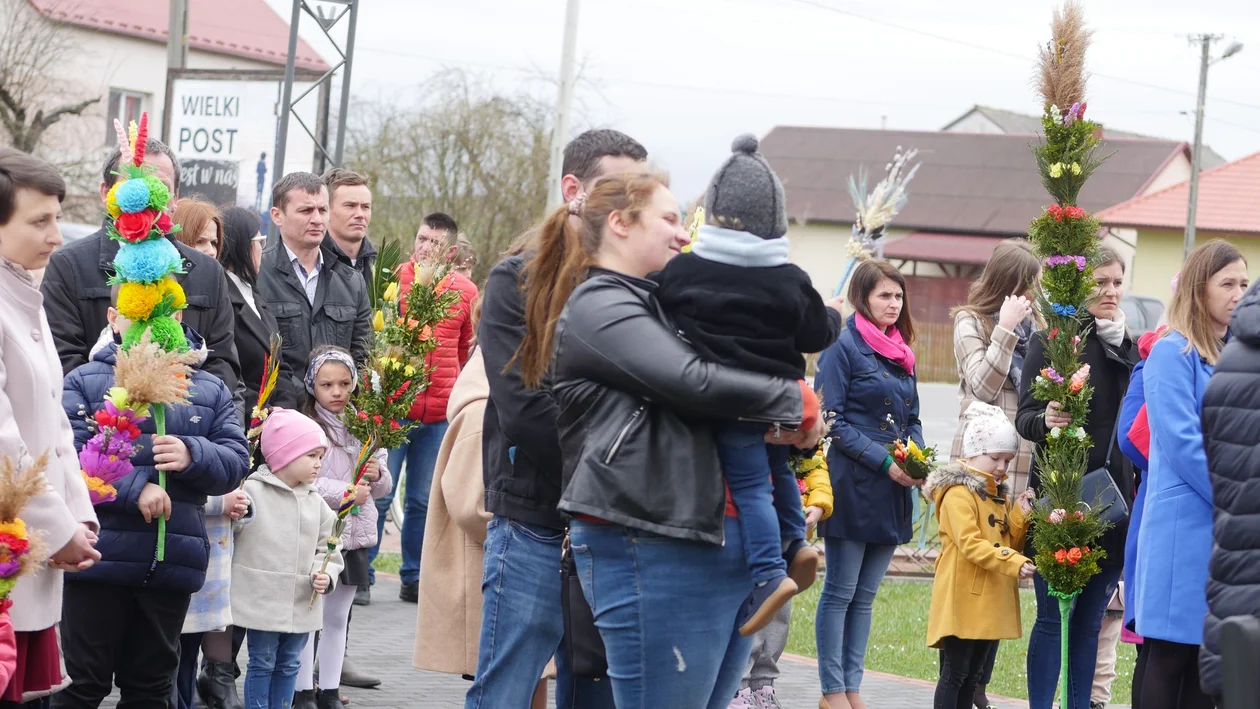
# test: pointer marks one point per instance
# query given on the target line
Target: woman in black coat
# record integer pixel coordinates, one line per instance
(241, 254)
(1111, 354)
(1231, 428)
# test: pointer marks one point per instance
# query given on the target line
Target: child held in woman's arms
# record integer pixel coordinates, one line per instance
(739, 302)
(975, 596)
(279, 557)
(330, 379)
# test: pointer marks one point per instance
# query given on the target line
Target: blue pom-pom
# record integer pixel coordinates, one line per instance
(132, 196)
(148, 261)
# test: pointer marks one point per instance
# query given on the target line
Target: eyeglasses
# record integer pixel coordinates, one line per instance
(259, 237)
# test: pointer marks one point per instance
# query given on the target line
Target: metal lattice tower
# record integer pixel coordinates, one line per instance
(326, 22)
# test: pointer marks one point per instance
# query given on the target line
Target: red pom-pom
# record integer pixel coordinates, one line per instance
(135, 227)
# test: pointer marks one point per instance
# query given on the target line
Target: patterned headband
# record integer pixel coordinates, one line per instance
(334, 356)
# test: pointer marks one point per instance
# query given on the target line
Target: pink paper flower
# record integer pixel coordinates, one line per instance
(1056, 517)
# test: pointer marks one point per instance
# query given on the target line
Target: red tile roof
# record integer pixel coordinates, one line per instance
(1229, 202)
(239, 28)
(936, 247)
(969, 183)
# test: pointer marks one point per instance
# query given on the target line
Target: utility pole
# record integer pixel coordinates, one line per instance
(177, 37)
(1205, 41)
(1197, 155)
(564, 104)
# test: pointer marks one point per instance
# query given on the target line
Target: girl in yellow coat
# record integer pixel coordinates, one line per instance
(975, 596)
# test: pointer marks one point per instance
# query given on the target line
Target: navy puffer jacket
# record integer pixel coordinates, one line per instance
(211, 428)
(1231, 429)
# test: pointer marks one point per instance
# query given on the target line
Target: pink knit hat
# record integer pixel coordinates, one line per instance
(288, 435)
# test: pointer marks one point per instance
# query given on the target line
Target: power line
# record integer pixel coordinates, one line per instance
(1001, 52)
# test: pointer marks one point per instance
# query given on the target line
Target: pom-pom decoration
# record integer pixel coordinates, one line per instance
(159, 196)
(152, 364)
(132, 196)
(165, 331)
(147, 262)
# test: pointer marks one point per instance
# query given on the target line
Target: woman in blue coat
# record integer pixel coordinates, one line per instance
(1175, 540)
(868, 385)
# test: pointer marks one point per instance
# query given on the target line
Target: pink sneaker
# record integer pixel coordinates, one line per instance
(742, 700)
(764, 699)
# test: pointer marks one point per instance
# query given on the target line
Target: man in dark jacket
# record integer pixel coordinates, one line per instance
(122, 618)
(522, 625)
(77, 292)
(349, 216)
(317, 299)
(1231, 431)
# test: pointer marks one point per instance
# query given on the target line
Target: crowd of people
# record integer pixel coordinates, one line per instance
(619, 463)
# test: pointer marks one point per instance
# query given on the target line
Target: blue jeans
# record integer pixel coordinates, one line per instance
(521, 622)
(843, 624)
(1084, 623)
(274, 660)
(764, 489)
(420, 455)
(668, 612)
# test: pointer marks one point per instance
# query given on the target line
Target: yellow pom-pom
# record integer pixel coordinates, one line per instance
(111, 202)
(169, 286)
(16, 527)
(137, 300)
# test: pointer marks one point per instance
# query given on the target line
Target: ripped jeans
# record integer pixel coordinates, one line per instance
(667, 611)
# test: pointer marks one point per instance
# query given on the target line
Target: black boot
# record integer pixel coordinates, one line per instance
(328, 699)
(304, 699)
(217, 687)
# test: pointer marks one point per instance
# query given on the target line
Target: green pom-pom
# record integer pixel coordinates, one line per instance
(6, 586)
(165, 331)
(158, 194)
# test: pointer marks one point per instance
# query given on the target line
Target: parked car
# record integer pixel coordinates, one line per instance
(1141, 313)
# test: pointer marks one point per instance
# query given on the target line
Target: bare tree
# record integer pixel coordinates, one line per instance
(32, 50)
(464, 149)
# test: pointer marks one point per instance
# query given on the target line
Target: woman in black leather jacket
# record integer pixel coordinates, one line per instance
(655, 541)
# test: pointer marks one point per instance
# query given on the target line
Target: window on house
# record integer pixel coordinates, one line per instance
(126, 106)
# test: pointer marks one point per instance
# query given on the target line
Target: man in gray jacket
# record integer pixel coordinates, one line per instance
(77, 292)
(317, 298)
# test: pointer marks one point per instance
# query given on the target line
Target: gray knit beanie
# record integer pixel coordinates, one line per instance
(746, 195)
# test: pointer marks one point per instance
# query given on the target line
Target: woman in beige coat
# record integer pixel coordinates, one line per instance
(32, 422)
(991, 336)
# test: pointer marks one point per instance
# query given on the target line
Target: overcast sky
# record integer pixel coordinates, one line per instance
(685, 76)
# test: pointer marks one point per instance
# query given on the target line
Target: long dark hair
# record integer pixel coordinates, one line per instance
(868, 275)
(240, 225)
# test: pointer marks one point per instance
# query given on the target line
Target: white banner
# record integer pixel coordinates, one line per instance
(224, 131)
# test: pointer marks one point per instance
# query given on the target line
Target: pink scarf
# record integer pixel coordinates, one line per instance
(888, 345)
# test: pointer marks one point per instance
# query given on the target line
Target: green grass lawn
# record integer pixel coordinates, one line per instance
(898, 642)
(389, 562)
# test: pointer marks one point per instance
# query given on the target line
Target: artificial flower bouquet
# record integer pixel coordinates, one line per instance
(917, 462)
(19, 550)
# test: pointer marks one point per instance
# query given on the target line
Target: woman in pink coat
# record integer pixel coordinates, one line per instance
(33, 424)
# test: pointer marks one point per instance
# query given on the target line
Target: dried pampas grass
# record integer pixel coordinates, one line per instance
(1061, 75)
(152, 375)
(18, 486)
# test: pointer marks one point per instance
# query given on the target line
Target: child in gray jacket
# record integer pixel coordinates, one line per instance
(279, 557)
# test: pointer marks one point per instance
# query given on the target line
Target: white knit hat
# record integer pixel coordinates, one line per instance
(987, 430)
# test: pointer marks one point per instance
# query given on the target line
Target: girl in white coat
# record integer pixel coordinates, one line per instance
(279, 557)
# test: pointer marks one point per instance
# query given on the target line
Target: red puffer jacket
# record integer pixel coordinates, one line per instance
(455, 338)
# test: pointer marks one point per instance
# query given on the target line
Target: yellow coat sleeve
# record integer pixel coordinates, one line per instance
(959, 523)
(1019, 526)
(818, 487)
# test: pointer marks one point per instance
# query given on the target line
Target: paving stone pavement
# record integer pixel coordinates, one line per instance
(382, 636)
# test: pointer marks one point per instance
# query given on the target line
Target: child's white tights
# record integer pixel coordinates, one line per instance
(332, 642)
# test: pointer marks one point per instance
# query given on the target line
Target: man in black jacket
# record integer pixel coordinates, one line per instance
(349, 216)
(317, 298)
(1231, 431)
(77, 293)
(521, 621)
